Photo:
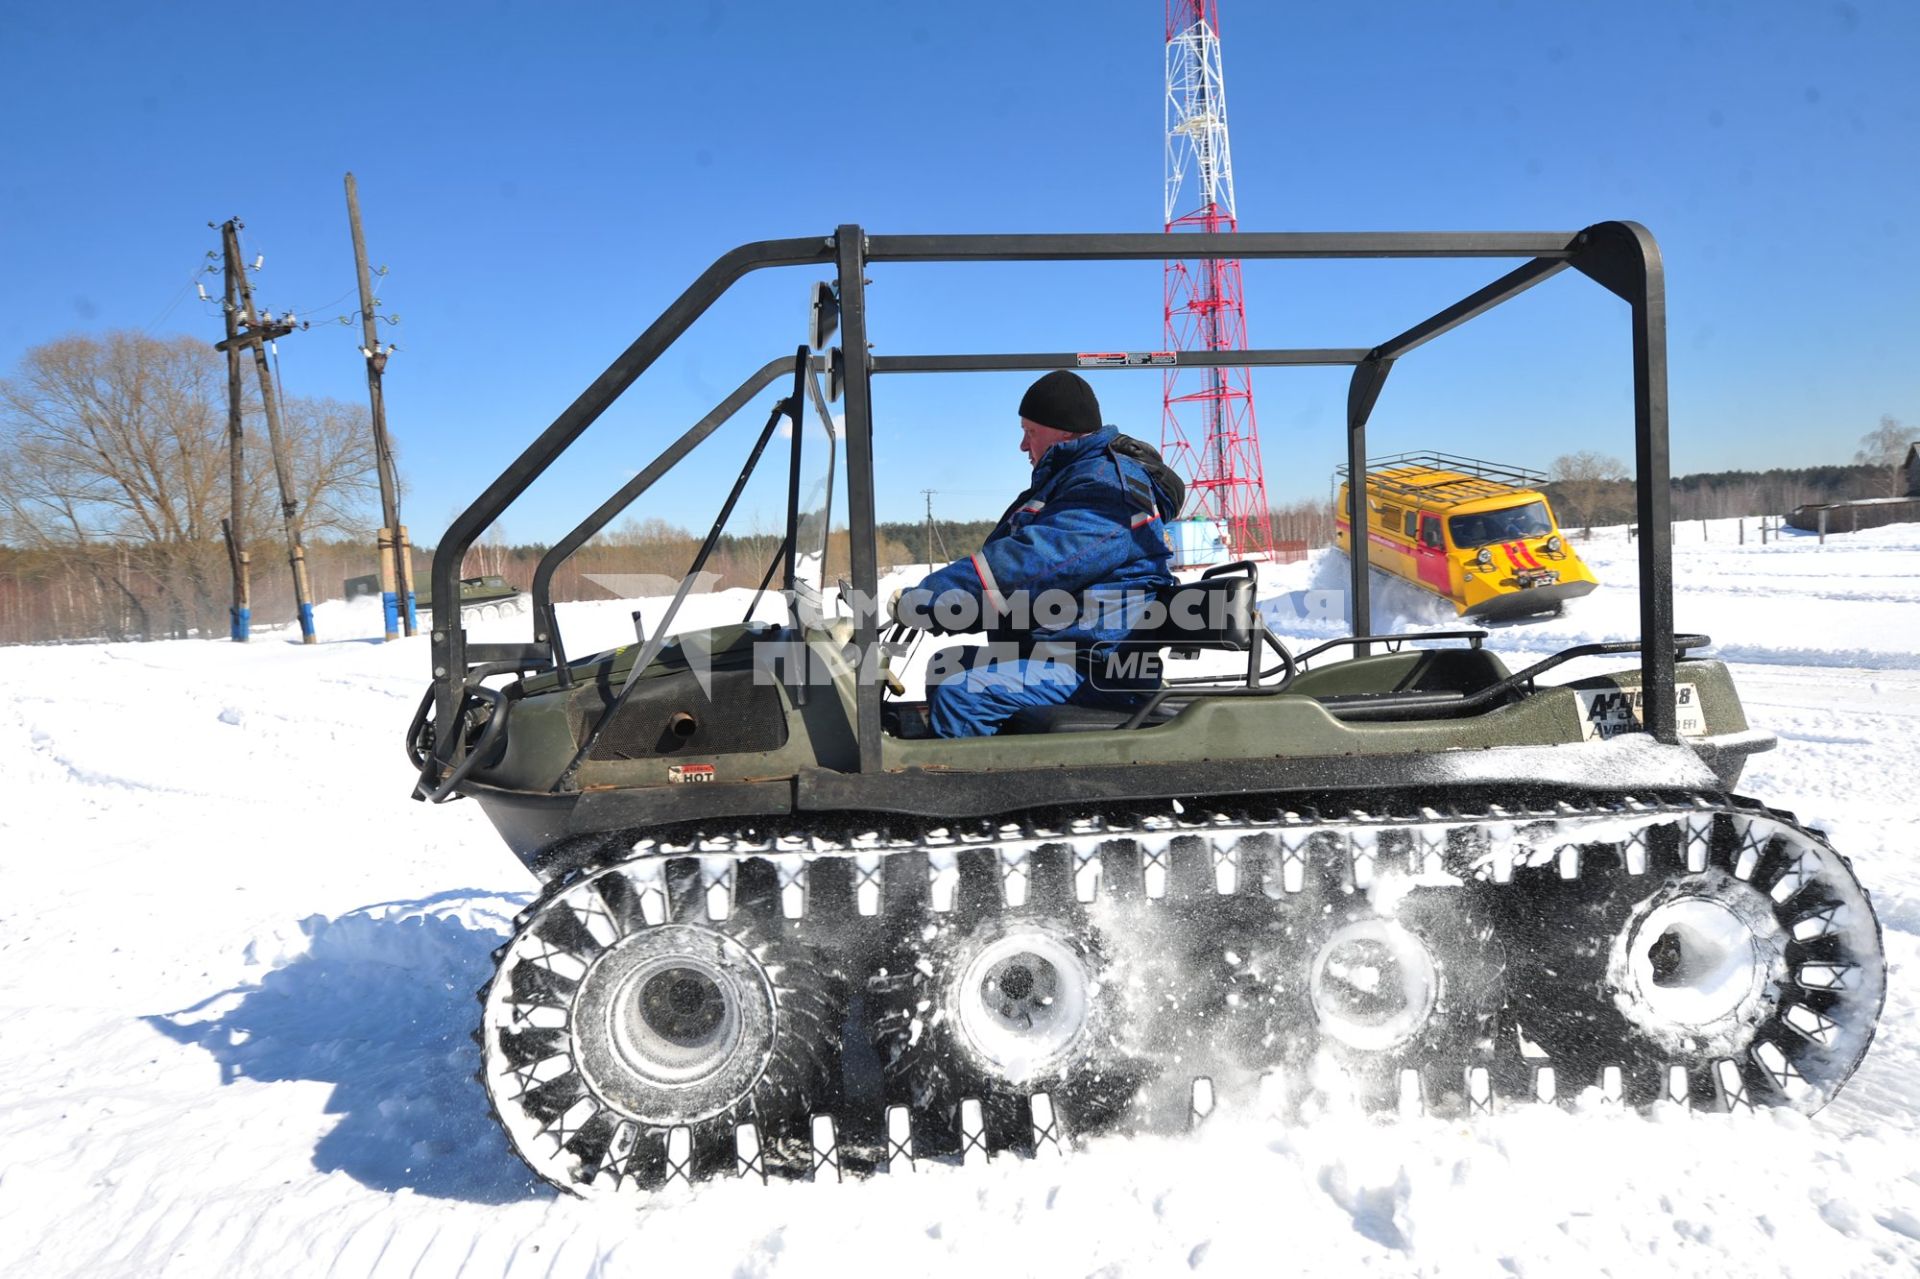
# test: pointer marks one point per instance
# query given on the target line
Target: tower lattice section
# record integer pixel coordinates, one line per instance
(1208, 431)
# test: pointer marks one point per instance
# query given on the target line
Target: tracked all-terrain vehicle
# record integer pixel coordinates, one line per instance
(1479, 535)
(786, 934)
(483, 598)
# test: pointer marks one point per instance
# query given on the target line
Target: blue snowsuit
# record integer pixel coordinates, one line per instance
(1086, 534)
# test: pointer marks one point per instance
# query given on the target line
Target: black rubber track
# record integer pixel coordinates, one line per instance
(1201, 927)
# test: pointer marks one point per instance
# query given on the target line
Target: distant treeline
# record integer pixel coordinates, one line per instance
(1711, 495)
(1309, 522)
(1581, 502)
(122, 590)
(117, 479)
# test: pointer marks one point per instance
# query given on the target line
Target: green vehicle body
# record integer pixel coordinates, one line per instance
(578, 760)
(1289, 741)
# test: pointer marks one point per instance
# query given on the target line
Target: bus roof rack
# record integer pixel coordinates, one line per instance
(1470, 477)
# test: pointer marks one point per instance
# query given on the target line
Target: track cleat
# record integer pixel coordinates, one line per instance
(973, 1132)
(1480, 1090)
(826, 1148)
(1200, 1101)
(1410, 1103)
(1048, 1140)
(747, 1159)
(900, 1140)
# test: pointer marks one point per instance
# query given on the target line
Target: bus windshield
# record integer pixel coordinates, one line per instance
(1507, 525)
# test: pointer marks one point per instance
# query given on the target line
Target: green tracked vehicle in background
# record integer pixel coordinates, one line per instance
(487, 596)
(786, 933)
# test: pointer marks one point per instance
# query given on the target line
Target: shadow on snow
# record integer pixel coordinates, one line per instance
(380, 1005)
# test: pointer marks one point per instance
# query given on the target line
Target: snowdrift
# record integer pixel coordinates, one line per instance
(241, 963)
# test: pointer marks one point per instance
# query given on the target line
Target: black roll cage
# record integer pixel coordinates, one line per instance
(1620, 256)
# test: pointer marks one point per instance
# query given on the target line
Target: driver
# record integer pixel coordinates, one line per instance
(1067, 573)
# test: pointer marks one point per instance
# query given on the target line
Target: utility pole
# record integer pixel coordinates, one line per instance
(396, 556)
(234, 527)
(256, 336)
(928, 494)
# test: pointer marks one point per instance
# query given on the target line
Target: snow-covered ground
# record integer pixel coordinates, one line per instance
(237, 965)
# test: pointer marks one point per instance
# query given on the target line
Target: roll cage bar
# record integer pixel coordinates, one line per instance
(1621, 256)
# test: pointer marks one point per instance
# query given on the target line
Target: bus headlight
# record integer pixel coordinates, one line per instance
(1553, 544)
(1485, 557)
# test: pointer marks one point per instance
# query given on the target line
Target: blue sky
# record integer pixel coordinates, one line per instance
(542, 179)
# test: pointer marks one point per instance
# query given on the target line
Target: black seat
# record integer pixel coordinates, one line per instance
(1214, 612)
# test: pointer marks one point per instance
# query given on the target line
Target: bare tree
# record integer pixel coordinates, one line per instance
(331, 447)
(113, 465)
(1886, 449)
(1589, 485)
(489, 556)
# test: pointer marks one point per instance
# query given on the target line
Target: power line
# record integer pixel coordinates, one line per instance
(193, 278)
(273, 351)
(307, 310)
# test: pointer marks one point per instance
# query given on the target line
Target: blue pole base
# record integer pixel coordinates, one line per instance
(413, 618)
(390, 606)
(242, 624)
(306, 624)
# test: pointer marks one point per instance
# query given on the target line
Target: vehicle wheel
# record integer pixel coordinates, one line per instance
(622, 1054)
(996, 1026)
(1741, 966)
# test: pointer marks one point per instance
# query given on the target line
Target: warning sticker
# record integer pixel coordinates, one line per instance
(1126, 359)
(690, 772)
(1608, 712)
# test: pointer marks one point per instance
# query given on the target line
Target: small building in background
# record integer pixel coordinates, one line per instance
(1866, 512)
(1199, 542)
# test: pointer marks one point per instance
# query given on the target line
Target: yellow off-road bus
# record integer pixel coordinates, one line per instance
(1479, 534)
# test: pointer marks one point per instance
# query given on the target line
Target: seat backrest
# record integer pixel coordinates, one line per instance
(1214, 612)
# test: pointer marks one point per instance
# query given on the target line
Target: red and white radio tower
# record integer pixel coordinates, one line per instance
(1204, 307)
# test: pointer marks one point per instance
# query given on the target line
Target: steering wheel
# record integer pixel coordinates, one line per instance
(888, 635)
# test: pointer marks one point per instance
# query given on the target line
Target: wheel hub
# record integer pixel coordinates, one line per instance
(1700, 968)
(1020, 990)
(674, 1023)
(684, 1006)
(1373, 985)
(1022, 1000)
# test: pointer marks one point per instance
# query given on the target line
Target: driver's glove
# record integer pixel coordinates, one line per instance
(909, 608)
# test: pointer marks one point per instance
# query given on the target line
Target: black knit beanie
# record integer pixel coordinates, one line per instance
(1063, 401)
